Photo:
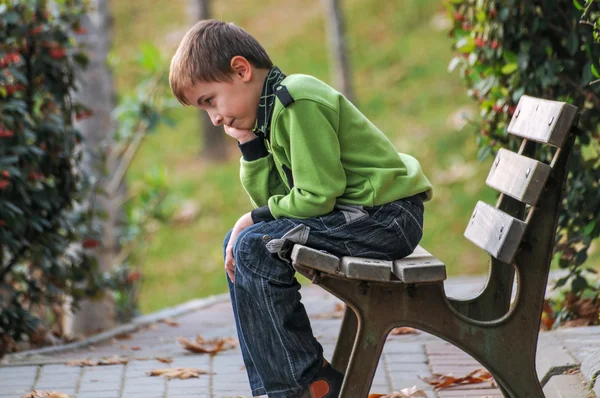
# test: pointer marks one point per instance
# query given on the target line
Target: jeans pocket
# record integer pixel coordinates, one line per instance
(395, 233)
(251, 253)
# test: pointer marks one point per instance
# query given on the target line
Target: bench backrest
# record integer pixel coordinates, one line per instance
(519, 176)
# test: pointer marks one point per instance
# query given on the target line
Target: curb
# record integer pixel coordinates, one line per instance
(590, 367)
(136, 323)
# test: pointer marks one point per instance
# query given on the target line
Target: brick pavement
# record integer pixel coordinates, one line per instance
(405, 358)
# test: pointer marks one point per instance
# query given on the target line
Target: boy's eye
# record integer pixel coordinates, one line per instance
(208, 101)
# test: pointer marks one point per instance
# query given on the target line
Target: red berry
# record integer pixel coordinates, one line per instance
(58, 53)
(90, 243)
(495, 45)
(458, 16)
(5, 133)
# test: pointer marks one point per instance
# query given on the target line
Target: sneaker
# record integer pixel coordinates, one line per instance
(327, 383)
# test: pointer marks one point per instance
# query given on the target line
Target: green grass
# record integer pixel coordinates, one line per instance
(400, 81)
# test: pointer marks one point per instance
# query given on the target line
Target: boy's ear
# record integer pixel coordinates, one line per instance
(241, 67)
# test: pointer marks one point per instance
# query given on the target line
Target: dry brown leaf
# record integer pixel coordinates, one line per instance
(124, 336)
(201, 346)
(403, 330)
(440, 381)
(45, 394)
(170, 322)
(135, 348)
(82, 362)
(165, 360)
(177, 373)
(114, 360)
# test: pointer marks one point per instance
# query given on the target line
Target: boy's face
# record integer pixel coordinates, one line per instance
(232, 103)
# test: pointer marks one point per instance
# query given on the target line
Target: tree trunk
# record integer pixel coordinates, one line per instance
(214, 146)
(340, 65)
(96, 91)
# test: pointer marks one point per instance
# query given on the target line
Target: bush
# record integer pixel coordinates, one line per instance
(546, 49)
(42, 252)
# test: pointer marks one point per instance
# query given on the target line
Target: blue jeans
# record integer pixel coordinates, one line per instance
(279, 349)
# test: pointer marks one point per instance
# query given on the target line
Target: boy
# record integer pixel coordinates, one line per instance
(318, 173)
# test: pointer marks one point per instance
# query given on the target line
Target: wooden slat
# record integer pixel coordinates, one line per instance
(367, 269)
(542, 120)
(495, 231)
(419, 267)
(312, 258)
(518, 176)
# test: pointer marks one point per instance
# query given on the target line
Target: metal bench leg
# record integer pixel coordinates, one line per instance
(364, 359)
(345, 342)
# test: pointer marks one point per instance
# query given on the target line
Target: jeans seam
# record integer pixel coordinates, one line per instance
(408, 244)
(287, 354)
(244, 339)
(410, 215)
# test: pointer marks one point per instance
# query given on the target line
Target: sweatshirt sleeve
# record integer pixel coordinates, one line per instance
(258, 174)
(307, 130)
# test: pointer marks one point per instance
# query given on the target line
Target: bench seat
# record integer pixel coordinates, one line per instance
(419, 267)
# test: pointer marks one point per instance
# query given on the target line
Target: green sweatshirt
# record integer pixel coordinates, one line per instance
(319, 150)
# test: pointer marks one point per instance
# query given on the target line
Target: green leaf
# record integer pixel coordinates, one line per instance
(465, 45)
(578, 5)
(509, 68)
(579, 284)
(595, 71)
(573, 42)
(510, 57)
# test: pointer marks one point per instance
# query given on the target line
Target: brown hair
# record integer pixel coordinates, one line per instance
(205, 52)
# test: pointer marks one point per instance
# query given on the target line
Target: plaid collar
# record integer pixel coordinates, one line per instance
(267, 101)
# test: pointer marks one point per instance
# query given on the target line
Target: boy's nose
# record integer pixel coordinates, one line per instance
(217, 120)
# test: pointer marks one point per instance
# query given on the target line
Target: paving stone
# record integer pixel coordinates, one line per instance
(99, 394)
(567, 386)
(553, 361)
(16, 390)
(482, 392)
(590, 368)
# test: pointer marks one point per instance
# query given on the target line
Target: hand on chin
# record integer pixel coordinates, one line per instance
(242, 135)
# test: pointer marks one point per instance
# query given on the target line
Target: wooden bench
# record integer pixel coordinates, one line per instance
(519, 235)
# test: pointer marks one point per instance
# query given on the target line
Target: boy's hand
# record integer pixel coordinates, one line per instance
(244, 222)
(242, 136)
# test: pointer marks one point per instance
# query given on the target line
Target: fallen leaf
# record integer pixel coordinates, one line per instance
(45, 394)
(412, 392)
(114, 360)
(440, 381)
(135, 348)
(202, 346)
(177, 373)
(165, 360)
(124, 336)
(403, 330)
(169, 322)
